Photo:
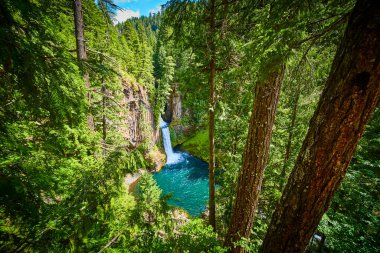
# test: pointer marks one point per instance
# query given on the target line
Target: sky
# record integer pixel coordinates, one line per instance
(136, 8)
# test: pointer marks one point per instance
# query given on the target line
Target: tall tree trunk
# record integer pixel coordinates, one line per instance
(255, 157)
(211, 115)
(81, 52)
(288, 148)
(104, 121)
(79, 31)
(351, 94)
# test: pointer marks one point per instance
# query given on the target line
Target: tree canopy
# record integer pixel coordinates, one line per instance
(279, 97)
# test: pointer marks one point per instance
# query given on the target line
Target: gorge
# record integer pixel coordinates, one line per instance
(206, 126)
(184, 177)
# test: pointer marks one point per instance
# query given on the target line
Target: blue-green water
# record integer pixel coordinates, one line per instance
(187, 182)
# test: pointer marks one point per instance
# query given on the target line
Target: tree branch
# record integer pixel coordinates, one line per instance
(102, 54)
(327, 30)
(110, 242)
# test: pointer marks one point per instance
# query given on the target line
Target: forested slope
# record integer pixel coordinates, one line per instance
(280, 97)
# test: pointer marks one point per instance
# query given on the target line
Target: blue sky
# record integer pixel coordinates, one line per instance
(136, 8)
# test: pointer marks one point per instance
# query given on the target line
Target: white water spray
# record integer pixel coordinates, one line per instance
(171, 157)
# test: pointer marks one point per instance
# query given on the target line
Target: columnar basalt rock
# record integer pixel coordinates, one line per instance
(173, 109)
(138, 124)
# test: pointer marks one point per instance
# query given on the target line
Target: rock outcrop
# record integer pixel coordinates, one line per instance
(138, 120)
(174, 114)
(173, 108)
(138, 125)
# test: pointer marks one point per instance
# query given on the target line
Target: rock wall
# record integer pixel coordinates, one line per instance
(173, 108)
(138, 119)
(175, 113)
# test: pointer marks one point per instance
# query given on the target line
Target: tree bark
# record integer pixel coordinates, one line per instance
(211, 115)
(255, 157)
(104, 120)
(351, 94)
(79, 32)
(81, 52)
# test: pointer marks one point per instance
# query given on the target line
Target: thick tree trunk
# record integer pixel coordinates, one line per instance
(211, 116)
(81, 52)
(255, 157)
(351, 95)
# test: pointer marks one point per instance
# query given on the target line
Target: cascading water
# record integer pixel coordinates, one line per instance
(171, 157)
(185, 177)
(166, 139)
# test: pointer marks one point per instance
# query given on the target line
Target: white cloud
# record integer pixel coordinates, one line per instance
(122, 15)
(155, 10)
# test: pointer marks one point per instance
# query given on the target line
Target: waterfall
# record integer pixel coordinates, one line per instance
(171, 157)
(167, 143)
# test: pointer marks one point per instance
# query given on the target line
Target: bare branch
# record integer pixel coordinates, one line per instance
(102, 54)
(110, 242)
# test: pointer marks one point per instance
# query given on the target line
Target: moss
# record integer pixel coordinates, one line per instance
(155, 158)
(177, 133)
(177, 137)
(198, 145)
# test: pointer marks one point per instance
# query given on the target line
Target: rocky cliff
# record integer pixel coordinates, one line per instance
(173, 108)
(178, 117)
(138, 120)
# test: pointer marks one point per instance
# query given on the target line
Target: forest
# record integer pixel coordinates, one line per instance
(209, 126)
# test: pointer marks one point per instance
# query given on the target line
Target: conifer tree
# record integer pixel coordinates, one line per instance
(255, 157)
(351, 94)
(82, 53)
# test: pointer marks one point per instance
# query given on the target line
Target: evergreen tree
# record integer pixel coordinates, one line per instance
(351, 95)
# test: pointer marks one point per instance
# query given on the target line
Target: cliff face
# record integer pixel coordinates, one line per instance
(138, 120)
(173, 108)
(175, 113)
(176, 105)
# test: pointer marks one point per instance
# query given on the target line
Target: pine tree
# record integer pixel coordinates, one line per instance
(81, 52)
(255, 157)
(211, 111)
(351, 95)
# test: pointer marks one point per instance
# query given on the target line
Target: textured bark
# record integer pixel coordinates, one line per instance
(351, 95)
(211, 115)
(81, 52)
(255, 157)
(79, 32)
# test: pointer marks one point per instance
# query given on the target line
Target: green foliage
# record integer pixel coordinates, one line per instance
(56, 180)
(164, 77)
(197, 237)
(198, 145)
(150, 223)
(353, 220)
(139, 35)
(61, 184)
(148, 194)
(302, 85)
